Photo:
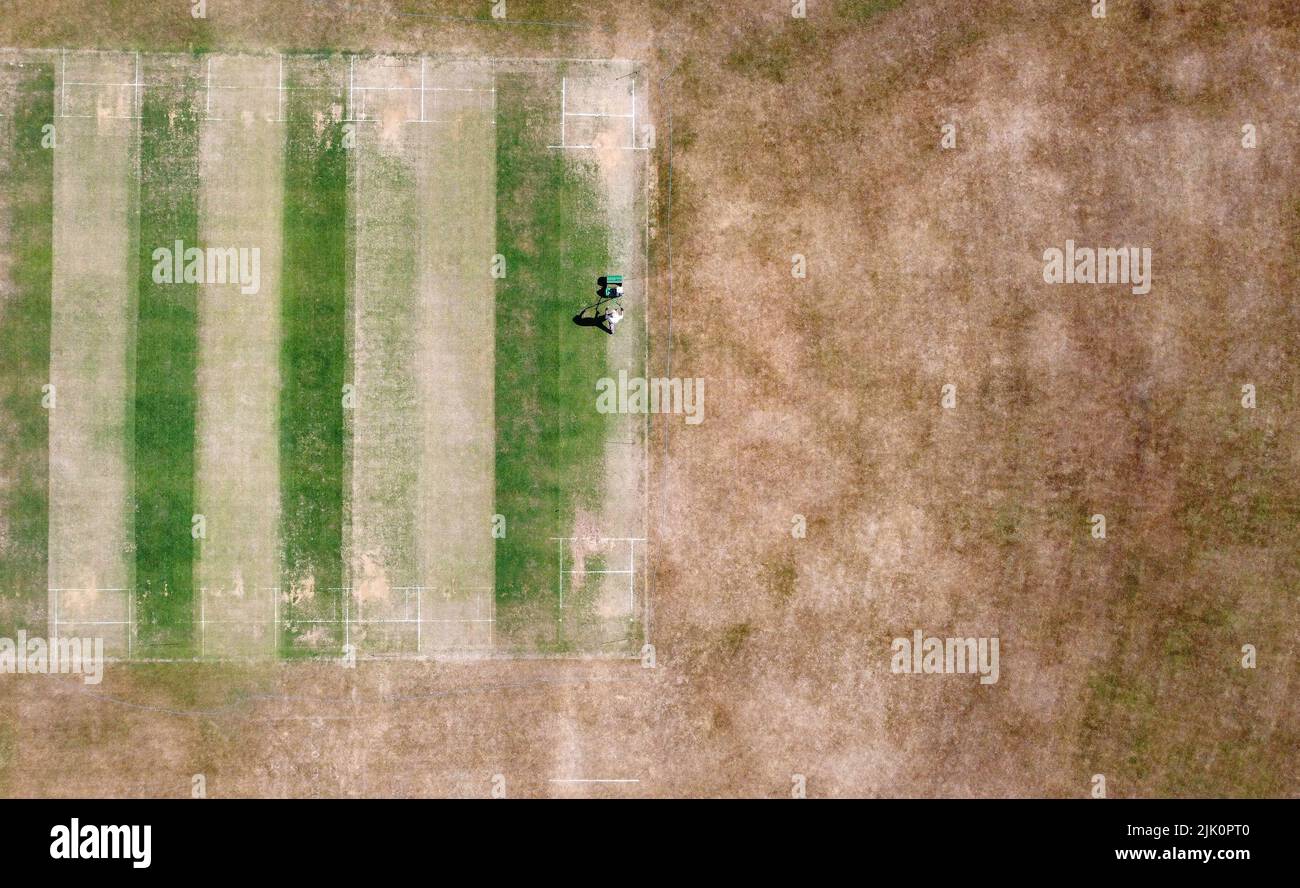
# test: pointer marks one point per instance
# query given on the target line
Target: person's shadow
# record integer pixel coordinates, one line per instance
(596, 319)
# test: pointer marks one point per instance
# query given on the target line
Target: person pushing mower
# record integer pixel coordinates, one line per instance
(606, 311)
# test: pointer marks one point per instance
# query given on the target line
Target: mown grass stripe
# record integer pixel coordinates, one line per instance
(387, 451)
(28, 181)
(313, 367)
(165, 393)
(550, 440)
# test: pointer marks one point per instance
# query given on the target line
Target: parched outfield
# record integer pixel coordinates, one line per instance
(317, 386)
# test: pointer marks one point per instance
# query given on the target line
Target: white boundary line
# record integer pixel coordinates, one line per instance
(565, 114)
(372, 621)
(96, 623)
(631, 579)
(649, 173)
(450, 57)
(415, 89)
(58, 621)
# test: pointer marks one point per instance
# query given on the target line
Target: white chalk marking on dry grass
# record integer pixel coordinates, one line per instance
(137, 85)
(68, 589)
(416, 89)
(616, 147)
(565, 114)
(451, 57)
(419, 621)
(645, 520)
(630, 572)
(381, 621)
(94, 623)
(57, 620)
(249, 87)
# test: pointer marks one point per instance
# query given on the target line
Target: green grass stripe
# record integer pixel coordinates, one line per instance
(28, 183)
(550, 441)
(313, 367)
(165, 394)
